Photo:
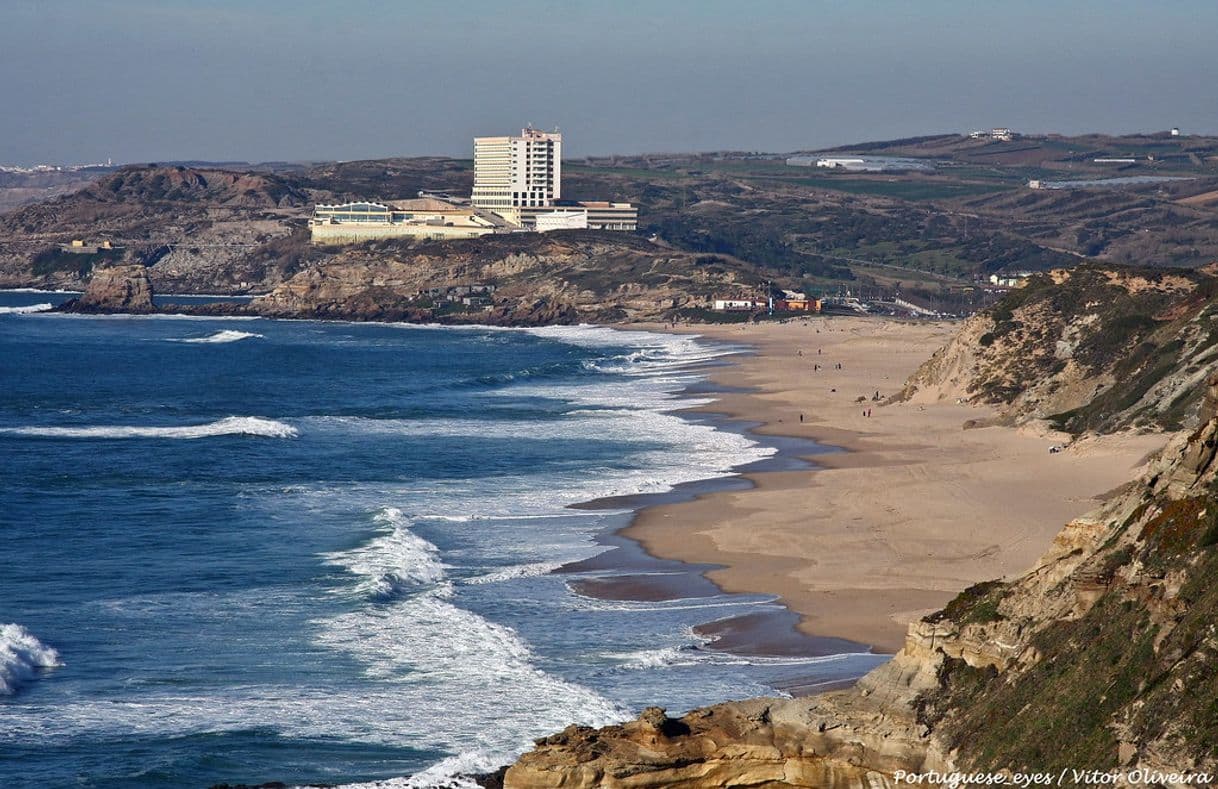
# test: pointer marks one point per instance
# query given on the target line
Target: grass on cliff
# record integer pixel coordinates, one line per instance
(1134, 659)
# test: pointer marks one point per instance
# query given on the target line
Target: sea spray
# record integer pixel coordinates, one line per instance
(21, 657)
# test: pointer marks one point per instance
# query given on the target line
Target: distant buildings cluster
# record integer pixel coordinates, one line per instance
(997, 133)
(53, 168)
(787, 301)
(517, 187)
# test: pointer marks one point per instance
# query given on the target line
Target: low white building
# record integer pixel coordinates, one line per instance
(734, 305)
(837, 162)
(561, 220)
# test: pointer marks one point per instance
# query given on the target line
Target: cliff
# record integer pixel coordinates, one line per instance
(196, 229)
(1093, 348)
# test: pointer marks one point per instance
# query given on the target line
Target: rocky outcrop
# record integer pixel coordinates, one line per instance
(1094, 348)
(115, 289)
(536, 280)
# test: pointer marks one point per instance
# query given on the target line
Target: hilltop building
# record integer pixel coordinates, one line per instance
(517, 172)
(517, 187)
(425, 217)
(998, 133)
(520, 179)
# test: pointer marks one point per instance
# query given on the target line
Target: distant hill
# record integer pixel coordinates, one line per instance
(934, 237)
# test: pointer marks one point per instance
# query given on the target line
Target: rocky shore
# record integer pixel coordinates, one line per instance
(513, 281)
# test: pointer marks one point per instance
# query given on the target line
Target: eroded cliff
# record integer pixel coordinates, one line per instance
(1094, 348)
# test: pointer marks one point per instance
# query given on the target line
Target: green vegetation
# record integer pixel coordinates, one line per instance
(1139, 657)
(977, 604)
(55, 259)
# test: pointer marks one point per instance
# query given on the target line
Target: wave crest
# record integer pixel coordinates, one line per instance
(227, 335)
(21, 655)
(233, 425)
(27, 309)
(395, 562)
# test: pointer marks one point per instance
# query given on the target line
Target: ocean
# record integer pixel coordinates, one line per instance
(254, 550)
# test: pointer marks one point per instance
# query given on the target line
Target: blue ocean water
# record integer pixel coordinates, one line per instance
(250, 550)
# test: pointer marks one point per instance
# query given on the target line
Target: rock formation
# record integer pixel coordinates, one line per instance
(115, 289)
(538, 279)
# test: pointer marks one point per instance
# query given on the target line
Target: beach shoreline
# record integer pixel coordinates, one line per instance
(915, 509)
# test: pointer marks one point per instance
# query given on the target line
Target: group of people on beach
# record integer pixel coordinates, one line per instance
(836, 366)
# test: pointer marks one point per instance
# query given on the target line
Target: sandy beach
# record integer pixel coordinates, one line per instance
(914, 511)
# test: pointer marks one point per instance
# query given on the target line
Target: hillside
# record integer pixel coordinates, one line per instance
(1093, 348)
(934, 236)
(1102, 657)
(200, 230)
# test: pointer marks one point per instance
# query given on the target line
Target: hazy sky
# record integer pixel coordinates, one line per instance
(148, 80)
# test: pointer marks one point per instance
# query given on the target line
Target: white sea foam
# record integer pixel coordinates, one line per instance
(36, 290)
(21, 656)
(233, 425)
(450, 773)
(26, 309)
(227, 335)
(423, 643)
(531, 570)
(394, 561)
(674, 657)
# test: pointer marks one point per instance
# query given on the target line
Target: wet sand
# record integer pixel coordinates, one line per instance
(914, 511)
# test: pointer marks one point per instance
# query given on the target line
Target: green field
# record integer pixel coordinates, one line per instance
(911, 189)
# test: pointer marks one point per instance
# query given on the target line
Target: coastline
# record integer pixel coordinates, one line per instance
(862, 542)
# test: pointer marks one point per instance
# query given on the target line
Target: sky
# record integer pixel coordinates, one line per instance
(268, 80)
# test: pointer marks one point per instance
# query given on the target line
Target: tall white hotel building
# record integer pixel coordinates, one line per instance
(517, 172)
(520, 178)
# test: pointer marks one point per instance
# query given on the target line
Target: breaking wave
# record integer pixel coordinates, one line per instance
(227, 335)
(421, 640)
(229, 426)
(26, 309)
(394, 562)
(693, 655)
(21, 656)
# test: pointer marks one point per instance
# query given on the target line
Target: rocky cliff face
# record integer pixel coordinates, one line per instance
(1089, 349)
(539, 279)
